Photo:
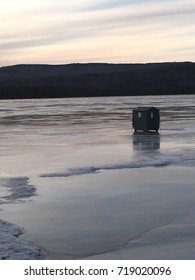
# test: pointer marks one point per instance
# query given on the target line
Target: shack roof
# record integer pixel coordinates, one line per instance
(145, 109)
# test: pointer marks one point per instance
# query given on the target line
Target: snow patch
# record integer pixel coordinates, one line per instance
(18, 187)
(156, 161)
(13, 248)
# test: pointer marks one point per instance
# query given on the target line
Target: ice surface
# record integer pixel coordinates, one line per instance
(173, 240)
(101, 192)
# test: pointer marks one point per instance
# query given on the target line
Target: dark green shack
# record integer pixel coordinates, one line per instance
(146, 119)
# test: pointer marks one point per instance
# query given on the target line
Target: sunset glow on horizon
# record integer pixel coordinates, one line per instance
(79, 31)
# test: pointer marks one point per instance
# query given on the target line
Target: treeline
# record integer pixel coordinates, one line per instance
(88, 80)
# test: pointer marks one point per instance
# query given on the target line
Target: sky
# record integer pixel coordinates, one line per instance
(111, 31)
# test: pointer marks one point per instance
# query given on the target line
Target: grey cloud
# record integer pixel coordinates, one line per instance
(110, 4)
(20, 44)
(106, 23)
(52, 35)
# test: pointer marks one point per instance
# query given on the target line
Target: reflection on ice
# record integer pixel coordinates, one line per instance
(146, 142)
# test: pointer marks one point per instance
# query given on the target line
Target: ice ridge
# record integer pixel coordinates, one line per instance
(18, 187)
(11, 247)
(157, 161)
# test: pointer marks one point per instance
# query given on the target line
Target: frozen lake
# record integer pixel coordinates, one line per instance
(75, 183)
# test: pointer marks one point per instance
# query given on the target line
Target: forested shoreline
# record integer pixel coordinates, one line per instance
(96, 79)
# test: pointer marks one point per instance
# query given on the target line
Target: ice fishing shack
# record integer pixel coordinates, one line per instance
(146, 119)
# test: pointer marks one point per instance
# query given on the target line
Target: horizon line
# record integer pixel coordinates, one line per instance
(91, 63)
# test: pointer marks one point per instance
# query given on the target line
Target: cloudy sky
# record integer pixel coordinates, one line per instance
(70, 31)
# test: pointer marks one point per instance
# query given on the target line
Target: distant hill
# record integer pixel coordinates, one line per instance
(96, 79)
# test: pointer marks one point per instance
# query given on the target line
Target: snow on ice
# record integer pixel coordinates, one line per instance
(11, 247)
